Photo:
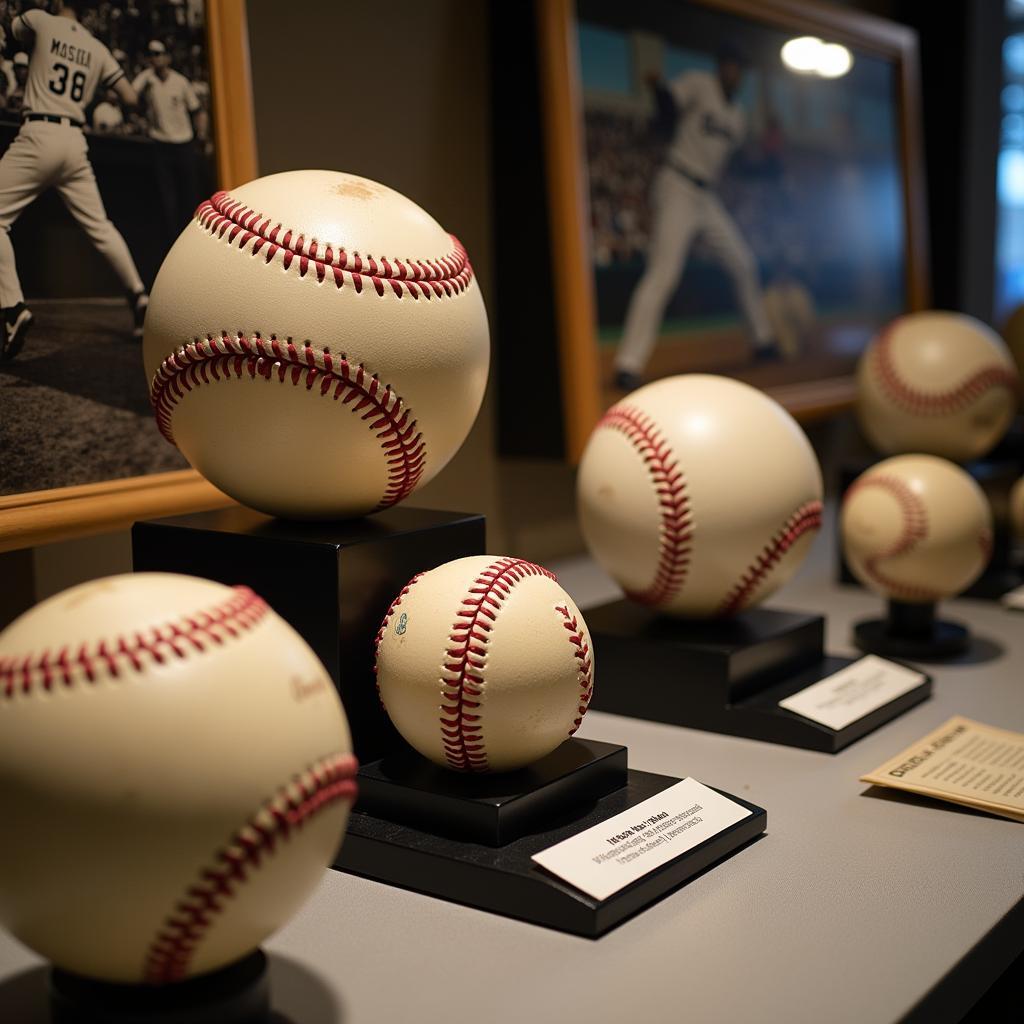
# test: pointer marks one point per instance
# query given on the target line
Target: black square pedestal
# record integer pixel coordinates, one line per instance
(504, 880)
(333, 581)
(723, 675)
(490, 809)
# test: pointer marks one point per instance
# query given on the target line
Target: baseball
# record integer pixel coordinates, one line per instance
(699, 495)
(916, 528)
(935, 382)
(175, 775)
(484, 664)
(316, 345)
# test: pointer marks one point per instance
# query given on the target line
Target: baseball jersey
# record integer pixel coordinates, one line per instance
(709, 126)
(170, 103)
(66, 66)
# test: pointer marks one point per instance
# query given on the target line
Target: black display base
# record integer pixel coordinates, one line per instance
(492, 809)
(236, 994)
(995, 474)
(333, 581)
(724, 675)
(505, 880)
(912, 631)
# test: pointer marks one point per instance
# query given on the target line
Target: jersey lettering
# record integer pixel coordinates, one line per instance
(75, 54)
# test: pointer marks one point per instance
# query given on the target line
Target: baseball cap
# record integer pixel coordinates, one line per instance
(20, 59)
(156, 47)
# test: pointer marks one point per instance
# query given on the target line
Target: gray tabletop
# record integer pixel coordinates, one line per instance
(853, 907)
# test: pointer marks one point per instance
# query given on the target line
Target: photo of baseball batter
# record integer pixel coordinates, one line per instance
(745, 219)
(105, 150)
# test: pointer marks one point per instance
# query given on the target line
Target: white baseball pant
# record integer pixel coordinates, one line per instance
(45, 155)
(682, 210)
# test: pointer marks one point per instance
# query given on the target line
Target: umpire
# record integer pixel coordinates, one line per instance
(175, 119)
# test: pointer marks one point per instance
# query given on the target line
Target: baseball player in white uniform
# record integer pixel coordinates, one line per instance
(709, 126)
(66, 67)
(175, 118)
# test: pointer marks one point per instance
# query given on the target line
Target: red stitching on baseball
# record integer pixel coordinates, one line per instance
(922, 403)
(915, 529)
(66, 666)
(676, 530)
(581, 651)
(320, 786)
(986, 541)
(462, 674)
(210, 359)
(379, 638)
(228, 219)
(806, 518)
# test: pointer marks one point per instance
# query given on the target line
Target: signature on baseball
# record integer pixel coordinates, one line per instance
(303, 689)
(356, 190)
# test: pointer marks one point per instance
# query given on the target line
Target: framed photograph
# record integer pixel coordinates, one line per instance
(116, 120)
(734, 188)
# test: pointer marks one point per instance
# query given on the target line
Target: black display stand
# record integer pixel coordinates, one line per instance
(723, 675)
(236, 994)
(557, 803)
(491, 809)
(995, 475)
(912, 631)
(333, 581)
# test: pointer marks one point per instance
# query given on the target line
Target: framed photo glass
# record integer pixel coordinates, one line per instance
(739, 193)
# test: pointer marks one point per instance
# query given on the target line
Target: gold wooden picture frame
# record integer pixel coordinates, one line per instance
(569, 205)
(37, 517)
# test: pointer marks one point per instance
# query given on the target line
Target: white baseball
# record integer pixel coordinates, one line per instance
(936, 382)
(175, 775)
(484, 664)
(316, 344)
(916, 528)
(699, 495)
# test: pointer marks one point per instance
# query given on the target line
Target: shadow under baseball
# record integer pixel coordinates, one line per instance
(297, 996)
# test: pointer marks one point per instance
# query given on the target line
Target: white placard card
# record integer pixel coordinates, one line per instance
(853, 692)
(607, 857)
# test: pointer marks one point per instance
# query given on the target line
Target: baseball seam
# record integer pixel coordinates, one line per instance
(914, 518)
(320, 786)
(67, 666)
(209, 359)
(677, 525)
(805, 519)
(585, 668)
(462, 672)
(986, 541)
(229, 219)
(382, 632)
(922, 403)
